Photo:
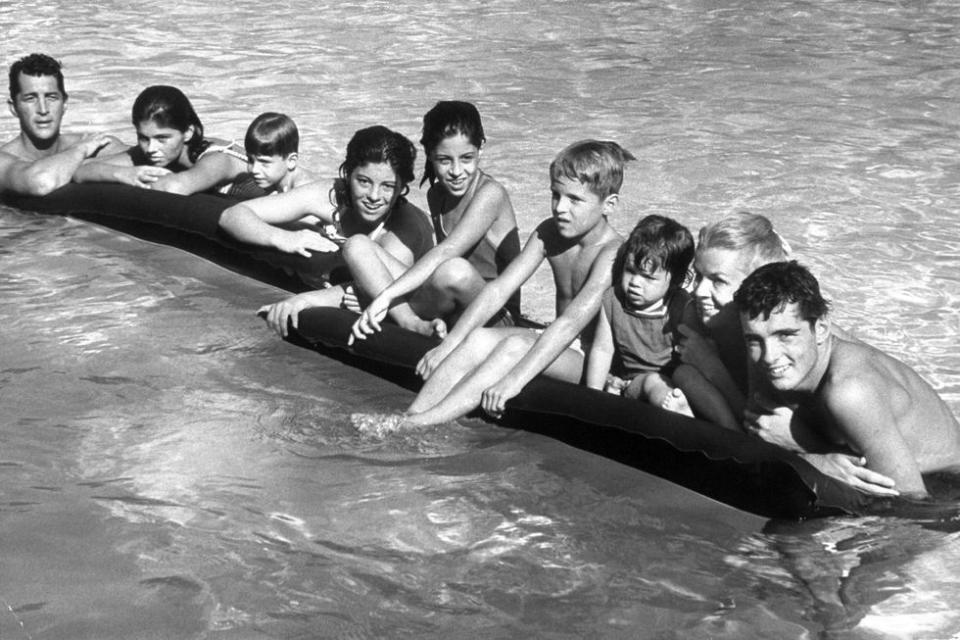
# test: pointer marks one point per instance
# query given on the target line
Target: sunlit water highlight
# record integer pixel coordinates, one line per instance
(170, 469)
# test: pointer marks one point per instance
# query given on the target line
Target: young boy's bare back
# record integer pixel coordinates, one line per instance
(486, 367)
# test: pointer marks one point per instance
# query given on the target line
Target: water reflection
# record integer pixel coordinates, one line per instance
(168, 467)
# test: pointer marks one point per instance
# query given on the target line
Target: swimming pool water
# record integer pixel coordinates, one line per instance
(168, 468)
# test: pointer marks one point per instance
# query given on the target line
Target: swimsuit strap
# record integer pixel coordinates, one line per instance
(438, 226)
(333, 231)
(379, 229)
(437, 218)
(233, 149)
(236, 150)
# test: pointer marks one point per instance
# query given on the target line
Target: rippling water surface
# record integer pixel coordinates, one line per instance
(169, 469)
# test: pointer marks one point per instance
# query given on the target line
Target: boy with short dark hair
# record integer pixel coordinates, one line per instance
(272, 145)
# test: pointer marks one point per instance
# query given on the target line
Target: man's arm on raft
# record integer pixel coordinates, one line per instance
(40, 177)
(118, 167)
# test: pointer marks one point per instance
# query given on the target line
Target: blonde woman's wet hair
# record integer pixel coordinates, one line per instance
(750, 234)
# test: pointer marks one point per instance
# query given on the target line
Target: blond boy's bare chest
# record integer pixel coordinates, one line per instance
(571, 270)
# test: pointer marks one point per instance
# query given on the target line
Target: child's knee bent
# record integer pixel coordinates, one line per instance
(358, 248)
(455, 274)
(514, 347)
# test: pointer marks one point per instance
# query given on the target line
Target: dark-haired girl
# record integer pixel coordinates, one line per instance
(171, 153)
(368, 205)
(475, 226)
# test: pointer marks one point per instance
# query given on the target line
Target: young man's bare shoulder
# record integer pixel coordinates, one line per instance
(857, 373)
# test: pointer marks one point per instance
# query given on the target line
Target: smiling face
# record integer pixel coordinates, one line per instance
(456, 163)
(787, 349)
(643, 288)
(39, 106)
(577, 210)
(374, 188)
(720, 272)
(163, 146)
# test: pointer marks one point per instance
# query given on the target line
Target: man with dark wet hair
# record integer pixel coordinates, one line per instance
(40, 159)
(849, 397)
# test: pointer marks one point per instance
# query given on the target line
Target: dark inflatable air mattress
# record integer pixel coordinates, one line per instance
(730, 467)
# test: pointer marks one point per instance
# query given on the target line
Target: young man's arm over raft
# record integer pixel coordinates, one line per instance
(559, 335)
(860, 408)
(781, 425)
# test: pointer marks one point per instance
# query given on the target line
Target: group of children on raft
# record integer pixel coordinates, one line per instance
(753, 325)
(641, 333)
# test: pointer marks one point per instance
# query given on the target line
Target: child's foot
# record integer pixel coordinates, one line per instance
(438, 328)
(378, 424)
(677, 402)
(423, 327)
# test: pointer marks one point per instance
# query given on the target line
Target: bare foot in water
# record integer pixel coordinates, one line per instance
(677, 402)
(379, 424)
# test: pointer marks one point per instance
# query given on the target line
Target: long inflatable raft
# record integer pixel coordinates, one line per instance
(733, 468)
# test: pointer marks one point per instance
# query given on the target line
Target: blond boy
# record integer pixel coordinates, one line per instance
(476, 366)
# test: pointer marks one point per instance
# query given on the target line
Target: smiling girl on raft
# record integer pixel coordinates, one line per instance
(368, 206)
(171, 153)
(476, 231)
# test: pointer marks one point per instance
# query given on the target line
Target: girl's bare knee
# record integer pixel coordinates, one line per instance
(454, 275)
(358, 248)
(515, 346)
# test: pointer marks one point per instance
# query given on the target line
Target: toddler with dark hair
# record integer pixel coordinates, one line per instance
(638, 327)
